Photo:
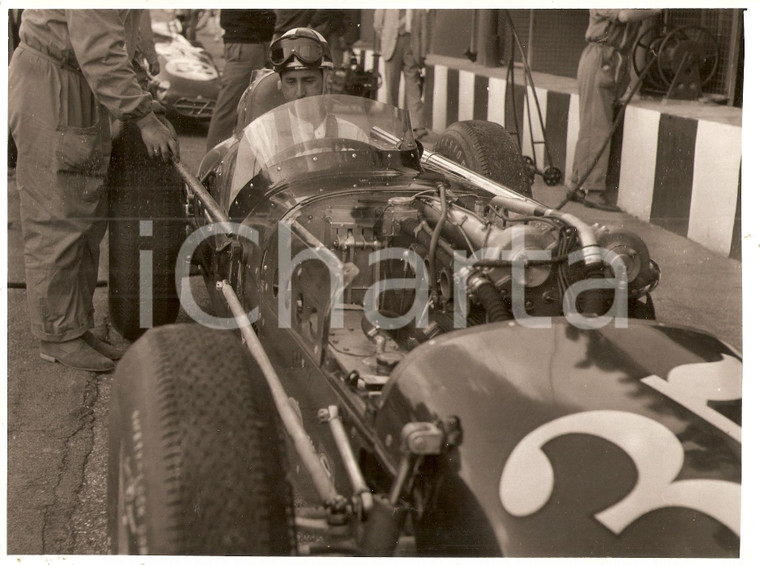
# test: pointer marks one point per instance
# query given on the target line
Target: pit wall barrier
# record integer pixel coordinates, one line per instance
(676, 164)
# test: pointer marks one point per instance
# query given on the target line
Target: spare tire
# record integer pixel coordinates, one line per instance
(142, 189)
(196, 451)
(488, 149)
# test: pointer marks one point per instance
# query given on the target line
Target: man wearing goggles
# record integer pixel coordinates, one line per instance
(301, 57)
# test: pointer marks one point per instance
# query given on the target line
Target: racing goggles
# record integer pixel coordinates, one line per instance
(305, 49)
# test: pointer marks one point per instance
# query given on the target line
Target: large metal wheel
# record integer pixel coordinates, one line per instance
(644, 57)
(197, 462)
(693, 40)
(488, 149)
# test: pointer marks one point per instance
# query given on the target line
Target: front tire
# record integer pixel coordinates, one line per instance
(196, 453)
(488, 149)
(142, 189)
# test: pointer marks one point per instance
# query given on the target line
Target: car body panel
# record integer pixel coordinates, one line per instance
(588, 391)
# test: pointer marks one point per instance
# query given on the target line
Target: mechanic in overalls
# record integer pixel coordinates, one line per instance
(603, 75)
(301, 56)
(70, 74)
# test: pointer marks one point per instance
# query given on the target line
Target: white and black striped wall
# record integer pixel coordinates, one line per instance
(675, 165)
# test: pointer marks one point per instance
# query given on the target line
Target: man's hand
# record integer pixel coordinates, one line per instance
(157, 107)
(158, 139)
(154, 67)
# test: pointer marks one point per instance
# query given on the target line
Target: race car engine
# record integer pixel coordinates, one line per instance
(443, 259)
(485, 265)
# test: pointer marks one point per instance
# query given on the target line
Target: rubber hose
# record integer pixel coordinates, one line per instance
(491, 300)
(434, 241)
(593, 301)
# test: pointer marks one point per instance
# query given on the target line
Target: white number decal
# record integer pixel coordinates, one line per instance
(693, 385)
(528, 478)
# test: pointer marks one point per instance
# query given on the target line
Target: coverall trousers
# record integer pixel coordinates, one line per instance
(240, 59)
(598, 89)
(402, 60)
(63, 139)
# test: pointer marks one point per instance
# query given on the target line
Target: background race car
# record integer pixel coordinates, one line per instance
(189, 82)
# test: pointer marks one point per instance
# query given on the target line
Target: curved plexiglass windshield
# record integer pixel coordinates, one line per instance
(320, 125)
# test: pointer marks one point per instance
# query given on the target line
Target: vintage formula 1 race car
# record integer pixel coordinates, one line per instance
(431, 363)
(188, 83)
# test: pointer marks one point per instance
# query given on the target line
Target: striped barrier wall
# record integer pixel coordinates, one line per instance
(676, 165)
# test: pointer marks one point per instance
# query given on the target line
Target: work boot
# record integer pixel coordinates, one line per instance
(599, 201)
(76, 354)
(105, 349)
(573, 193)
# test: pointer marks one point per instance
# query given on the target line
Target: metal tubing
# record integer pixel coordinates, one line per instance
(315, 525)
(509, 199)
(215, 211)
(592, 254)
(347, 455)
(445, 164)
(301, 440)
(321, 526)
(405, 468)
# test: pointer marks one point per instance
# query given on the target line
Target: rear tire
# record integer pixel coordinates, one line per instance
(141, 188)
(197, 461)
(488, 149)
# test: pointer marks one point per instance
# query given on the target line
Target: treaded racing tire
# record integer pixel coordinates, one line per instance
(488, 149)
(141, 188)
(197, 461)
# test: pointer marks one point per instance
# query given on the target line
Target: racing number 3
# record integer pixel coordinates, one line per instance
(527, 481)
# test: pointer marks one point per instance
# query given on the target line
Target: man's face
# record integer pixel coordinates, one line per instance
(301, 83)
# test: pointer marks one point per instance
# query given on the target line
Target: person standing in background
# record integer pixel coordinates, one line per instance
(291, 19)
(331, 24)
(603, 76)
(70, 74)
(147, 45)
(404, 43)
(188, 19)
(247, 34)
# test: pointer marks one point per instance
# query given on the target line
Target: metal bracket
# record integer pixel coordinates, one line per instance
(422, 438)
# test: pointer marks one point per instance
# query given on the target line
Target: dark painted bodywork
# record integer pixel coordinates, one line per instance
(503, 381)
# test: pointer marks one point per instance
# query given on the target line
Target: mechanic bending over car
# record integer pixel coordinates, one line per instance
(301, 56)
(70, 75)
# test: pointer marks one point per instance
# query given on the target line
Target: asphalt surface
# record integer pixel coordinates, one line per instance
(57, 417)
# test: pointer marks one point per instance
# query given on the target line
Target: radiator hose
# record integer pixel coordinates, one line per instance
(484, 291)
